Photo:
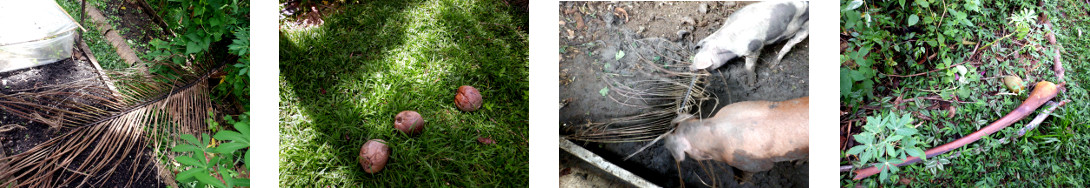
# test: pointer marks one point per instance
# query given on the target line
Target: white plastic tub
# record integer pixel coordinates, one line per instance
(34, 33)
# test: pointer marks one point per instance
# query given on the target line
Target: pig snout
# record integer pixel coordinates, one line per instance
(710, 57)
(677, 146)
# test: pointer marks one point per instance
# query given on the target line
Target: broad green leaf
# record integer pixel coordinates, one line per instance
(205, 139)
(908, 141)
(247, 162)
(604, 91)
(855, 4)
(185, 148)
(884, 176)
(895, 137)
(189, 161)
(230, 181)
(916, 152)
(865, 157)
(191, 139)
(864, 138)
(907, 131)
(923, 3)
(215, 21)
(845, 82)
(890, 150)
(192, 47)
(232, 136)
(860, 56)
(243, 182)
(620, 54)
(243, 127)
(188, 174)
(208, 179)
(857, 149)
(912, 19)
(857, 75)
(230, 147)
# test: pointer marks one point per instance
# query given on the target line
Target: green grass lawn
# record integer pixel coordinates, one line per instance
(342, 82)
(1054, 154)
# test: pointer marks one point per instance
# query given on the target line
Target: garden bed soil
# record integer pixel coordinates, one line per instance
(591, 35)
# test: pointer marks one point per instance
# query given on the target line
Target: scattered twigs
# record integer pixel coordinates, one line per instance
(993, 42)
(928, 72)
(935, 98)
(1037, 120)
(1043, 92)
(11, 127)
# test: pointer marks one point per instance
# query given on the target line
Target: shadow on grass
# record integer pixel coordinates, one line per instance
(342, 82)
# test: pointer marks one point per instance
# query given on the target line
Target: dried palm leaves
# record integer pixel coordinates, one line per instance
(660, 90)
(105, 127)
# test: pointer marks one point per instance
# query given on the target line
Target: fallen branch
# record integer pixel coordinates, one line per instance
(599, 162)
(1043, 92)
(1029, 127)
(1057, 65)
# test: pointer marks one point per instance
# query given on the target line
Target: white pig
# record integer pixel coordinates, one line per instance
(749, 29)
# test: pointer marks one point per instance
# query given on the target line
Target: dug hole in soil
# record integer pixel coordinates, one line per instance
(591, 35)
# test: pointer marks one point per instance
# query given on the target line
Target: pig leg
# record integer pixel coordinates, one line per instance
(799, 36)
(751, 75)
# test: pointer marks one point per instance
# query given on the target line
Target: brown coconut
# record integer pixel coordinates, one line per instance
(409, 122)
(468, 99)
(373, 155)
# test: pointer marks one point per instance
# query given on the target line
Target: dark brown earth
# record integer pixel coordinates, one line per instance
(588, 45)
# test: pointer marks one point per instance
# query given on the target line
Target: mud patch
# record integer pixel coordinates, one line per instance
(593, 34)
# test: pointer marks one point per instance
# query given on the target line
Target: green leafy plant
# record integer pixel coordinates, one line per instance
(237, 80)
(206, 163)
(1023, 22)
(198, 24)
(887, 140)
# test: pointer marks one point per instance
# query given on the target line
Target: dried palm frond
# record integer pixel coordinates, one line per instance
(659, 91)
(104, 127)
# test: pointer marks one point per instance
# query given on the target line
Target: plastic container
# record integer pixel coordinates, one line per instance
(34, 33)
